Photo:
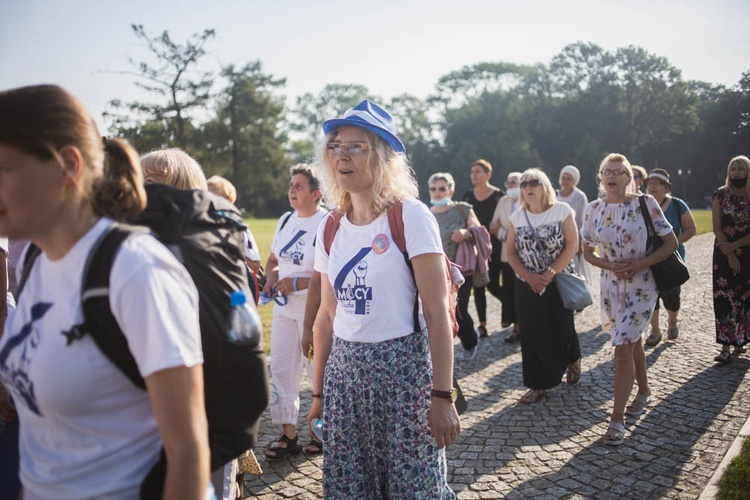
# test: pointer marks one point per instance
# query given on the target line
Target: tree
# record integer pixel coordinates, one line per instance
(311, 111)
(244, 141)
(177, 86)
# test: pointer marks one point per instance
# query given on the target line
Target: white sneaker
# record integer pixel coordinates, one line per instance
(470, 353)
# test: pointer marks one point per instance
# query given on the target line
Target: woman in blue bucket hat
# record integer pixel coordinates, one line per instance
(387, 392)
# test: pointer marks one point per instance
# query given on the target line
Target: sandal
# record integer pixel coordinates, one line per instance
(573, 374)
(482, 331)
(638, 405)
(615, 434)
(515, 336)
(314, 448)
(673, 332)
(654, 338)
(291, 448)
(532, 396)
(724, 357)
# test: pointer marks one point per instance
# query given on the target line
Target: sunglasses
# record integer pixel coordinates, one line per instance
(442, 189)
(636, 176)
(352, 148)
(532, 183)
(607, 172)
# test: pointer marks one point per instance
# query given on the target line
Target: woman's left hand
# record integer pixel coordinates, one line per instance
(459, 235)
(629, 268)
(444, 423)
(284, 287)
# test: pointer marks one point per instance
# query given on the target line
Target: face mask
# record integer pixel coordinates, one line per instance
(738, 183)
(513, 192)
(440, 203)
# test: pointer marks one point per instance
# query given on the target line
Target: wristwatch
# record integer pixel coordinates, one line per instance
(449, 395)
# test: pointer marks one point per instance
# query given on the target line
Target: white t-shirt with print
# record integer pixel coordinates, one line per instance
(537, 256)
(372, 283)
(86, 431)
(294, 245)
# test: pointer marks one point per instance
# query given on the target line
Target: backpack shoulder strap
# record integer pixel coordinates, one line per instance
(678, 207)
(396, 223)
(32, 252)
(332, 226)
(98, 320)
(286, 219)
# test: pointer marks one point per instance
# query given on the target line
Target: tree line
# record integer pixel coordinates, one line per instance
(586, 102)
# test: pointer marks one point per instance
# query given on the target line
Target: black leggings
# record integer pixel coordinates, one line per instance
(494, 268)
(466, 331)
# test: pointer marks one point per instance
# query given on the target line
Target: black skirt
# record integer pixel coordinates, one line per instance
(549, 342)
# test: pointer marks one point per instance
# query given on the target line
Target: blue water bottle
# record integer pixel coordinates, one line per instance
(245, 326)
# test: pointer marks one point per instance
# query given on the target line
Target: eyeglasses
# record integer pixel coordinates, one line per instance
(607, 172)
(352, 148)
(442, 189)
(532, 183)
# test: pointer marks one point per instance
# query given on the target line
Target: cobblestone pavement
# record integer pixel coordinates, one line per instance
(553, 449)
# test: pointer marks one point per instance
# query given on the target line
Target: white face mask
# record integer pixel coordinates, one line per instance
(440, 203)
(514, 193)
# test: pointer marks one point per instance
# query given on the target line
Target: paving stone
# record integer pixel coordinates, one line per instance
(553, 448)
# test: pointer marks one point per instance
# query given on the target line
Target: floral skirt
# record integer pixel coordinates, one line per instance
(376, 432)
(732, 299)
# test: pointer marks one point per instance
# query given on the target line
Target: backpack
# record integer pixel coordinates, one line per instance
(453, 275)
(204, 232)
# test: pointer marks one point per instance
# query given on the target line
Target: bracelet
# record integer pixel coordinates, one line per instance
(294, 285)
(551, 270)
(317, 394)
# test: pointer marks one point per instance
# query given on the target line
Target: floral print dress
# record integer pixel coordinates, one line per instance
(732, 291)
(619, 230)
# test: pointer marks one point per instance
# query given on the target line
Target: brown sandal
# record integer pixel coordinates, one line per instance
(573, 374)
(532, 396)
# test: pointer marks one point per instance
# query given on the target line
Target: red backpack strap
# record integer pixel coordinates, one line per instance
(332, 226)
(396, 222)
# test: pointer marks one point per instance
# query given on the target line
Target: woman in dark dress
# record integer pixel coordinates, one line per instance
(541, 244)
(483, 198)
(731, 262)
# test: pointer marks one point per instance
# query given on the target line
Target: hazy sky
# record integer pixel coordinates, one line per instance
(389, 46)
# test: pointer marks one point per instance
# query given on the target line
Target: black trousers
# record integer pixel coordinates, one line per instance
(466, 332)
(494, 269)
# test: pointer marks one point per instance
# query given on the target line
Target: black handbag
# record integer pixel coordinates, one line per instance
(672, 271)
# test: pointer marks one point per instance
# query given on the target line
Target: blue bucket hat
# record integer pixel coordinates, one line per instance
(369, 116)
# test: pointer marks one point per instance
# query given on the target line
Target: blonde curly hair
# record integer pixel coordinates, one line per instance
(392, 174)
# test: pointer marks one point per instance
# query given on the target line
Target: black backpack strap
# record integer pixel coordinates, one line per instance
(32, 252)
(99, 322)
(286, 219)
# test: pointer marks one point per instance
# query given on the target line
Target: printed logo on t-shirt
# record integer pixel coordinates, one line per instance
(16, 374)
(293, 251)
(350, 286)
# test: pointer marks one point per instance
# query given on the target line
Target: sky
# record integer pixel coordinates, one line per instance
(389, 46)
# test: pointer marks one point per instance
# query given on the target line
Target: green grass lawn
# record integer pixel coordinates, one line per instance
(702, 221)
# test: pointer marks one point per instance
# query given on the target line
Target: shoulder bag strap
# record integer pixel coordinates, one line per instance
(651, 239)
(536, 236)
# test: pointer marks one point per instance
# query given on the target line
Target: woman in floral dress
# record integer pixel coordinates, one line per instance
(615, 225)
(731, 275)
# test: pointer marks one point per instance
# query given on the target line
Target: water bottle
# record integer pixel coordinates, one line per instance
(317, 428)
(245, 326)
